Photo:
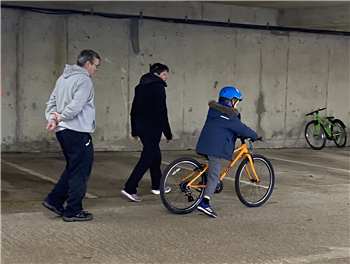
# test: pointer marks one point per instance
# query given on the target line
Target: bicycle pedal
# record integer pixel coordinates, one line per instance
(190, 198)
(198, 189)
(219, 187)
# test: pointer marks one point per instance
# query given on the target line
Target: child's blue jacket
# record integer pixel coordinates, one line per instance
(219, 134)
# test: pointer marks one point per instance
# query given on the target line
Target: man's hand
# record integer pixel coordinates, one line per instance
(136, 137)
(51, 125)
(58, 116)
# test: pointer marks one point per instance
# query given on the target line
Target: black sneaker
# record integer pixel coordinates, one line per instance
(82, 216)
(58, 211)
(205, 208)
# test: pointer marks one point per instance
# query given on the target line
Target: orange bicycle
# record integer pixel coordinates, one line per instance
(254, 181)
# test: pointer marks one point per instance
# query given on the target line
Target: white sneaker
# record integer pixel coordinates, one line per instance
(132, 197)
(167, 189)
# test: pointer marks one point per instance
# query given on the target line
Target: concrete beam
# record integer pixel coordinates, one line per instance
(329, 17)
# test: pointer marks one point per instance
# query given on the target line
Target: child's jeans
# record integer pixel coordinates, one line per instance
(213, 175)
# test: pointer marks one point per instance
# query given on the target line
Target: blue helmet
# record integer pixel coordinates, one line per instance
(230, 92)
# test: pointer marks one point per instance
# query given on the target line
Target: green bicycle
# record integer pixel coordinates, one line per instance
(319, 130)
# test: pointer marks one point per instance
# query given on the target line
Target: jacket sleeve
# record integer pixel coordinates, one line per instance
(80, 98)
(51, 107)
(162, 111)
(238, 127)
(133, 119)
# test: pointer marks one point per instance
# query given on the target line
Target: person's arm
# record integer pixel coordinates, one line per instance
(238, 127)
(51, 118)
(133, 119)
(51, 107)
(80, 98)
(162, 111)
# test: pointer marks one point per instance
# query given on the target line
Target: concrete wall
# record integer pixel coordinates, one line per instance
(282, 75)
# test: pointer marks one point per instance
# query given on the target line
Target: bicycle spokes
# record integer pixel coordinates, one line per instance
(182, 175)
(254, 190)
(315, 135)
(339, 133)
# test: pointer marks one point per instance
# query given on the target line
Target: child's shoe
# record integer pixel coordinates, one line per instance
(205, 208)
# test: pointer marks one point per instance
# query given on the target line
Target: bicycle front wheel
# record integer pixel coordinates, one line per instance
(182, 199)
(315, 135)
(339, 133)
(250, 192)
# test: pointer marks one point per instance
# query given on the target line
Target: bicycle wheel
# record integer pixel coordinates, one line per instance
(339, 133)
(315, 135)
(249, 191)
(181, 199)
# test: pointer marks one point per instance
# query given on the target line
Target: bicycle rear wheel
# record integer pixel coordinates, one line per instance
(315, 135)
(339, 133)
(181, 199)
(250, 192)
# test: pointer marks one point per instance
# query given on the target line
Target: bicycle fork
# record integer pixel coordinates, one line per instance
(251, 162)
(244, 154)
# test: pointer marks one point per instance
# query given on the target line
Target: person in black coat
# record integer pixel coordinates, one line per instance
(149, 119)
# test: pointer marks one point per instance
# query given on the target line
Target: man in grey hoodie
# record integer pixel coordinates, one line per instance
(70, 112)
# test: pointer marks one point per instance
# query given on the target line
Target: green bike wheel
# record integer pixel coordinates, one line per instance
(339, 133)
(315, 135)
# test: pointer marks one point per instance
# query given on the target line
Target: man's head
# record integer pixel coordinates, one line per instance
(89, 60)
(230, 95)
(160, 70)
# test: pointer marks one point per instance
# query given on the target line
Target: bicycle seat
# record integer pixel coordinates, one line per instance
(330, 118)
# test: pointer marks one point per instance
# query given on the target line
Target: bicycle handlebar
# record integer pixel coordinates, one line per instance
(316, 111)
(244, 138)
(259, 138)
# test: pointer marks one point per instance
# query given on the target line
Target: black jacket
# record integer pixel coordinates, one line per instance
(149, 111)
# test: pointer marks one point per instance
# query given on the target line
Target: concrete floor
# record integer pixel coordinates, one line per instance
(306, 219)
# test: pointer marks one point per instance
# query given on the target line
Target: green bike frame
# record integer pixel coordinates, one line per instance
(321, 121)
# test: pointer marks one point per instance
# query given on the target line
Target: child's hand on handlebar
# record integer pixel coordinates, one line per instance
(259, 138)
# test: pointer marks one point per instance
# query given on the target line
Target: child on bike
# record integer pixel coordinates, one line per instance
(218, 137)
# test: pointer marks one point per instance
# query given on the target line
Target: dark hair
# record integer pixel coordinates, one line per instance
(87, 55)
(223, 99)
(158, 68)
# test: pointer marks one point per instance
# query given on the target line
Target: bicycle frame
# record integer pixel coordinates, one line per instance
(243, 153)
(320, 120)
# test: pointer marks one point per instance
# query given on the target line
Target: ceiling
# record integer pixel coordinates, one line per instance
(332, 21)
(261, 4)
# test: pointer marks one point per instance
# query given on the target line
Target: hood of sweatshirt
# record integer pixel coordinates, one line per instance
(71, 70)
(151, 78)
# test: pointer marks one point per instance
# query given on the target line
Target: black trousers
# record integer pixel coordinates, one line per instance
(151, 159)
(79, 153)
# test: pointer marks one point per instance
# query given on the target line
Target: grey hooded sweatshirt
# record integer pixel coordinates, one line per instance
(73, 98)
